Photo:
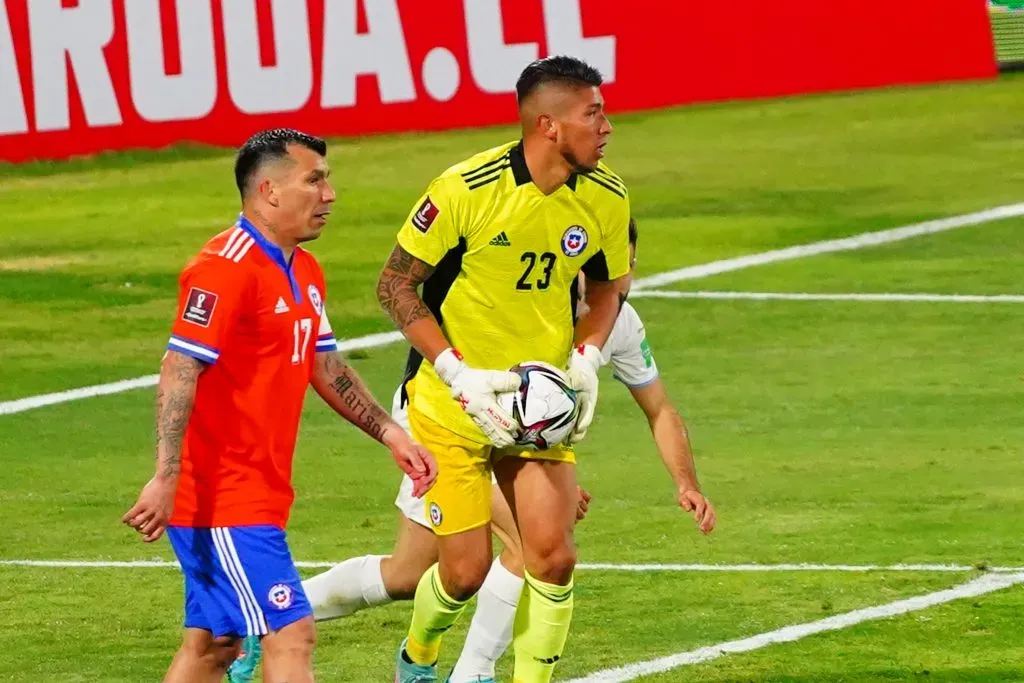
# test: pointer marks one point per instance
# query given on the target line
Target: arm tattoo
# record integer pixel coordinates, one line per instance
(175, 396)
(396, 288)
(354, 401)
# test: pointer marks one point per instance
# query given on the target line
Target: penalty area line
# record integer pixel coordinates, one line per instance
(976, 587)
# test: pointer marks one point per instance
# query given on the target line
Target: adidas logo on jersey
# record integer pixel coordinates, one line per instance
(501, 240)
(281, 306)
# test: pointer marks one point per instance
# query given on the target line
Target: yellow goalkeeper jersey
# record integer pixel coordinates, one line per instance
(506, 260)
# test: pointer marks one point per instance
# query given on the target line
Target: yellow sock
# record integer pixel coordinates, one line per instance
(541, 627)
(433, 613)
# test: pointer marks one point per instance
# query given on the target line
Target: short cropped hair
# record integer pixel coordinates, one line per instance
(559, 69)
(270, 145)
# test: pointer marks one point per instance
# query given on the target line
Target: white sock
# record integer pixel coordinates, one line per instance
(491, 629)
(347, 588)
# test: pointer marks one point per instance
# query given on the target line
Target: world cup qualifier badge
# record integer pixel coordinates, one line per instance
(425, 215)
(280, 596)
(574, 240)
(199, 307)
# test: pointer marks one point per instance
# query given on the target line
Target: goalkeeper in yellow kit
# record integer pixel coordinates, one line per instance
(497, 242)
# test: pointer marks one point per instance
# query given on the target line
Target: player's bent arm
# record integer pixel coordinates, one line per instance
(175, 396)
(669, 433)
(342, 389)
(398, 296)
(475, 389)
(604, 301)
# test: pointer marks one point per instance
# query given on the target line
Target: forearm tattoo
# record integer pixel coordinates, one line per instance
(357, 403)
(175, 396)
(396, 288)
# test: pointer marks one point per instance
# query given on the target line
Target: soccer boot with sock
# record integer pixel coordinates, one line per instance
(408, 672)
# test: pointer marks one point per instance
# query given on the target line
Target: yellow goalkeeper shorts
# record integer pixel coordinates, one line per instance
(460, 498)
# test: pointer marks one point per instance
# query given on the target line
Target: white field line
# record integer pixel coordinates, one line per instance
(600, 566)
(689, 273)
(803, 296)
(802, 567)
(867, 239)
(980, 586)
(383, 339)
(23, 404)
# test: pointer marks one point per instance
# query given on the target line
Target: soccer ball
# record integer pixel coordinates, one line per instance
(545, 407)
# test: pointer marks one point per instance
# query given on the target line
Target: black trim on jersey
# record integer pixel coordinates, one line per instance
(412, 366)
(616, 180)
(606, 184)
(486, 173)
(478, 169)
(518, 162)
(571, 181)
(435, 289)
(596, 267)
(489, 179)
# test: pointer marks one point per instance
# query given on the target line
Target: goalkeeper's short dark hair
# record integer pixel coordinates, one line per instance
(560, 69)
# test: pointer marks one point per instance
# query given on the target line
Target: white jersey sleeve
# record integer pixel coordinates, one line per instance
(628, 351)
(400, 411)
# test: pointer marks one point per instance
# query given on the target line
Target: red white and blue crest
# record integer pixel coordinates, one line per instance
(574, 240)
(280, 596)
(316, 299)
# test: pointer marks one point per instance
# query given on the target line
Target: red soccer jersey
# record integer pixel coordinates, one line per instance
(256, 321)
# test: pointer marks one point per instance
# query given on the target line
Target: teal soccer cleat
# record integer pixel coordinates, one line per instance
(407, 672)
(243, 669)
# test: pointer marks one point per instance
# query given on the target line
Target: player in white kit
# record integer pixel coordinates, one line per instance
(371, 580)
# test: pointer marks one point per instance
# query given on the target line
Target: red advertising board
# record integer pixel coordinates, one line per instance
(80, 76)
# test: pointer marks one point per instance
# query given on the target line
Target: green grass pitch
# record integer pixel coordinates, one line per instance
(825, 432)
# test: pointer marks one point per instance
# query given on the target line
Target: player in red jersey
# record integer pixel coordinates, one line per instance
(251, 334)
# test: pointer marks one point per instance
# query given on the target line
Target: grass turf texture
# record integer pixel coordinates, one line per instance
(826, 431)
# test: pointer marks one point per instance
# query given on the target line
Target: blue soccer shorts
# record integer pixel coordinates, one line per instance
(239, 581)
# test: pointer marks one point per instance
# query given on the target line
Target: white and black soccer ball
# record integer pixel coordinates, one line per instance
(545, 406)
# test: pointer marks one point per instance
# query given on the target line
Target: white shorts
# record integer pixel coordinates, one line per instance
(410, 506)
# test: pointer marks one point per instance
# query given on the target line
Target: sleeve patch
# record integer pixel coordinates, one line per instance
(645, 350)
(425, 215)
(200, 307)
